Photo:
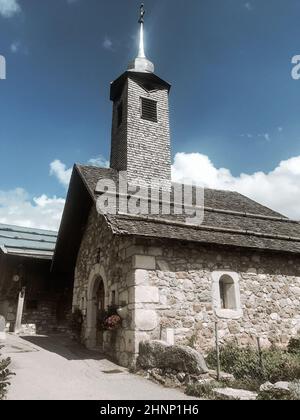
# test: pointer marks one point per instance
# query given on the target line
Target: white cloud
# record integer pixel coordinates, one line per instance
(60, 171)
(107, 44)
(16, 208)
(43, 212)
(9, 8)
(278, 189)
(63, 174)
(99, 161)
(248, 6)
(15, 47)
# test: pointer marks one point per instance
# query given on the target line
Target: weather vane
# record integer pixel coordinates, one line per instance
(142, 14)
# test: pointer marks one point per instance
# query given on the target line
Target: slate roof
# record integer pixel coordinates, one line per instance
(230, 219)
(27, 242)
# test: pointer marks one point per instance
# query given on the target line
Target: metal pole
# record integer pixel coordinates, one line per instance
(260, 355)
(217, 351)
(19, 315)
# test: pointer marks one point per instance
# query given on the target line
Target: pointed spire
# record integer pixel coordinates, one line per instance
(141, 22)
(141, 64)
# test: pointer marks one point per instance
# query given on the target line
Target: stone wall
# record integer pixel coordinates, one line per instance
(104, 255)
(34, 321)
(183, 282)
(47, 300)
(167, 287)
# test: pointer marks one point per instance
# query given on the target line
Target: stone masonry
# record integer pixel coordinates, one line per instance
(169, 285)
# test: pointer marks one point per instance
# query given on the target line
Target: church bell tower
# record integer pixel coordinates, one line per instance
(140, 141)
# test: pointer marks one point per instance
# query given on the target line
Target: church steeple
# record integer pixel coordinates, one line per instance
(140, 142)
(141, 63)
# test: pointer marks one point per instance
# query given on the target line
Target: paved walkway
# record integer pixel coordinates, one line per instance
(54, 368)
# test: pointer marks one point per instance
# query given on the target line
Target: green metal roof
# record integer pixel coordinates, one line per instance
(27, 242)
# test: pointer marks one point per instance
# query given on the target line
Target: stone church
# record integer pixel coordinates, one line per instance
(172, 280)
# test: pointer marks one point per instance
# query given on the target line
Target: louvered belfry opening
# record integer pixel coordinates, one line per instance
(149, 110)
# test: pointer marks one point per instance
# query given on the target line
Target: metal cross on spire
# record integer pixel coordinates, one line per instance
(141, 64)
(142, 14)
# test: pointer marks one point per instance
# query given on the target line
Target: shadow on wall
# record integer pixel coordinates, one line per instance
(64, 347)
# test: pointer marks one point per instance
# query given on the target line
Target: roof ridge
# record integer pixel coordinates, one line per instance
(205, 208)
(209, 228)
(27, 239)
(39, 232)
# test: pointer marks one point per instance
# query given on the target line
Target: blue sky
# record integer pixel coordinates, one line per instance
(233, 103)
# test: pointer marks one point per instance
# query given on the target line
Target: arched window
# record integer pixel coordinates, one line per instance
(227, 292)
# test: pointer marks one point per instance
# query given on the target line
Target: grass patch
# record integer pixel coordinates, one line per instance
(243, 363)
(204, 390)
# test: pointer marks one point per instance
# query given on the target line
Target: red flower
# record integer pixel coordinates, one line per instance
(113, 322)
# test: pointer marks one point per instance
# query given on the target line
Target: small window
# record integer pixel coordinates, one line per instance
(113, 298)
(149, 110)
(98, 256)
(227, 293)
(120, 114)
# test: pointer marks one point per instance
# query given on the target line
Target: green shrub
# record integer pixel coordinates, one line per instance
(294, 345)
(5, 374)
(293, 394)
(295, 390)
(243, 363)
(280, 365)
(274, 395)
(204, 390)
(247, 384)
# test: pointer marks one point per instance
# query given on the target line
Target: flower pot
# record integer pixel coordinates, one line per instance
(123, 312)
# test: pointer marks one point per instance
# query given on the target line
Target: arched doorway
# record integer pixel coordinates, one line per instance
(95, 307)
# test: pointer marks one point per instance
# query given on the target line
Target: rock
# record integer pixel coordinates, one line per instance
(266, 387)
(279, 386)
(205, 381)
(157, 376)
(285, 386)
(185, 359)
(223, 376)
(235, 394)
(158, 354)
(150, 354)
(180, 376)
(278, 391)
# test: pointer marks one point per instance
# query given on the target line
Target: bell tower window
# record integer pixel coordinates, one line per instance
(149, 110)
